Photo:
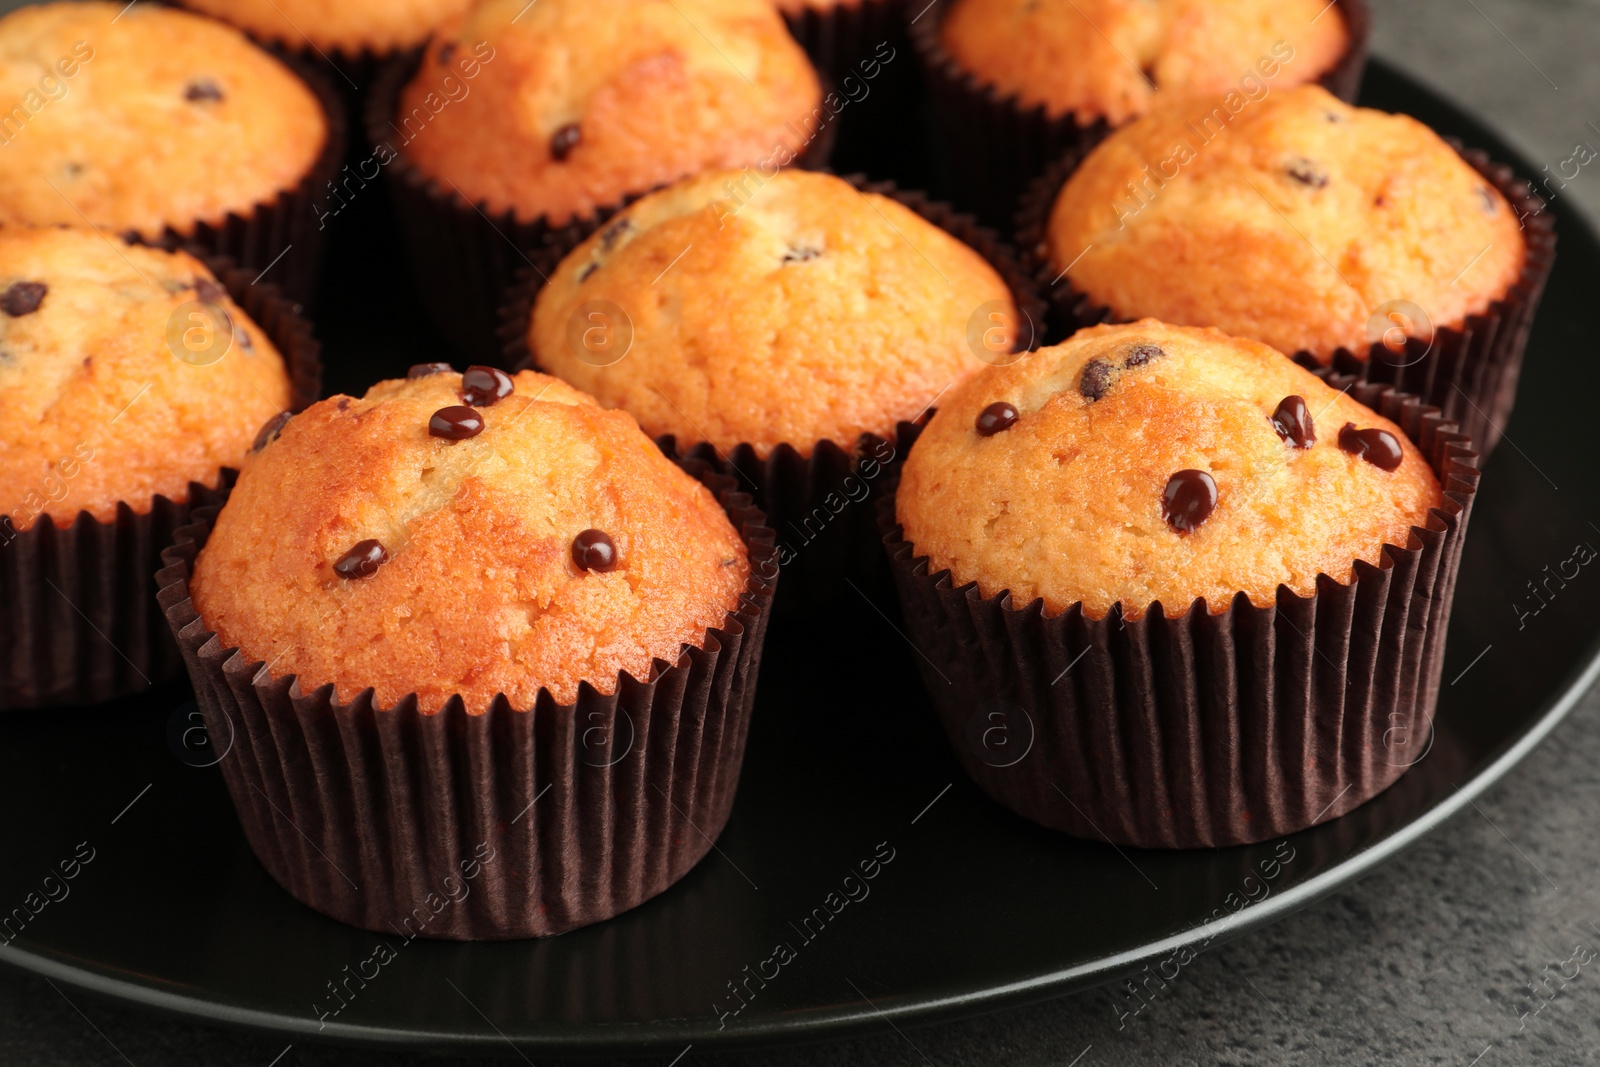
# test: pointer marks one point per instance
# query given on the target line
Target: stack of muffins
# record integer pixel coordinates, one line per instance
(497, 624)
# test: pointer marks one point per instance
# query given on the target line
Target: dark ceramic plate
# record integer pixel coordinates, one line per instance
(975, 910)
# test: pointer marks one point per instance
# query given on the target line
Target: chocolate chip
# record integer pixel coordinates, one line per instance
(1378, 447)
(1486, 199)
(344, 403)
(1096, 379)
(586, 270)
(1332, 116)
(593, 550)
(564, 140)
(455, 423)
(1188, 500)
(209, 291)
(23, 298)
(447, 52)
(244, 340)
(1292, 420)
(800, 254)
(483, 386)
(270, 431)
(1306, 173)
(1142, 354)
(362, 561)
(428, 370)
(615, 229)
(996, 417)
(202, 90)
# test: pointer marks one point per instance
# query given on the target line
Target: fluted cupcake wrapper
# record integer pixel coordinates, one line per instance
(463, 256)
(518, 822)
(837, 36)
(79, 621)
(280, 241)
(861, 47)
(1468, 371)
(821, 503)
(993, 146)
(1200, 730)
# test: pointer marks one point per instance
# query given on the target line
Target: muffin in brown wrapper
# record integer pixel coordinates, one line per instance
(1199, 729)
(821, 505)
(80, 623)
(509, 824)
(1468, 371)
(463, 257)
(992, 147)
(281, 241)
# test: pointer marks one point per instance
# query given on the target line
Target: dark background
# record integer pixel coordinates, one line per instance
(1416, 964)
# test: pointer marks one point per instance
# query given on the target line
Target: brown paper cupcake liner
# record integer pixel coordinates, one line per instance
(993, 146)
(862, 49)
(821, 505)
(1198, 729)
(462, 255)
(79, 622)
(840, 35)
(513, 823)
(280, 241)
(1469, 371)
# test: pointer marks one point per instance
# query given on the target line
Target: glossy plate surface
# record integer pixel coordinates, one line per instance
(975, 910)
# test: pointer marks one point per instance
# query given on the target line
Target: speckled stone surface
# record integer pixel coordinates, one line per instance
(1424, 962)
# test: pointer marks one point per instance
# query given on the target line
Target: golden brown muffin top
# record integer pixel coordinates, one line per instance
(165, 119)
(1114, 59)
(788, 309)
(575, 106)
(96, 404)
(478, 591)
(1095, 491)
(348, 26)
(1299, 226)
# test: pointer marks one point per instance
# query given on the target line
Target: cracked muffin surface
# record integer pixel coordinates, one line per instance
(1114, 59)
(397, 542)
(1304, 224)
(1144, 463)
(571, 110)
(96, 407)
(760, 311)
(167, 119)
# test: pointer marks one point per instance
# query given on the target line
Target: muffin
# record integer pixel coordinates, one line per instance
(1016, 83)
(348, 29)
(1316, 227)
(1210, 583)
(592, 554)
(523, 118)
(793, 328)
(107, 136)
(515, 587)
(131, 385)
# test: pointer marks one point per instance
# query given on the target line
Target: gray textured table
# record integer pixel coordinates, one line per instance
(1424, 962)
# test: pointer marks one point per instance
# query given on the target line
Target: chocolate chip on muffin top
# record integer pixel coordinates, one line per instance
(1193, 475)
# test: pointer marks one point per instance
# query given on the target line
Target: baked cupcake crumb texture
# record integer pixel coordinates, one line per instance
(1117, 58)
(116, 383)
(164, 119)
(1144, 463)
(786, 309)
(553, 546)
(567, 112)
(1302, 222)
(348, 26)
